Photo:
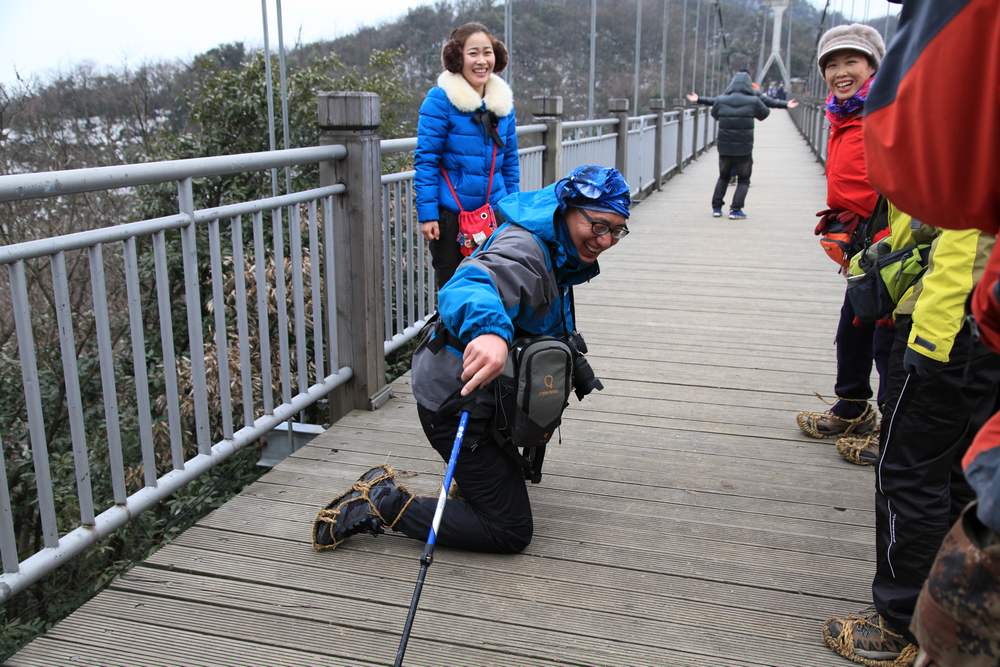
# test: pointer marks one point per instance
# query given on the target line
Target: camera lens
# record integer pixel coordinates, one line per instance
(584, 379)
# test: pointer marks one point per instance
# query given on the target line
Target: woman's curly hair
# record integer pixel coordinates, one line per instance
(452, 51)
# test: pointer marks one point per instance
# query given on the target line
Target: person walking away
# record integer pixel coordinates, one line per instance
(466, 152)
(848, 57)
(518, 283)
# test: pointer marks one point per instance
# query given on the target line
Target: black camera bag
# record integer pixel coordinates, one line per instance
(532, 393)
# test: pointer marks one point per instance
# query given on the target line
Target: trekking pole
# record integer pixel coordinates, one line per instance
(428, 555)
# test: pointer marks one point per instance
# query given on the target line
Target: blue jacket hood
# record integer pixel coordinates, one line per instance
(540, 212)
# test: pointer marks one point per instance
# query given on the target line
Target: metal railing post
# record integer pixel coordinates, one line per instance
(657, 106)
(694, 134)
(352, 119)
(549, 110)
(680, 138)
(619, 107)
(192, 300)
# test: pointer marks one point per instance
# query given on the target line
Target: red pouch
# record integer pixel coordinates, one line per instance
(836, 230)
(474, 227)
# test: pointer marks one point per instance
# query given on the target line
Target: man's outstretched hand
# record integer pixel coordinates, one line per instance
(792, 103)
(692, 97)
(484, 359)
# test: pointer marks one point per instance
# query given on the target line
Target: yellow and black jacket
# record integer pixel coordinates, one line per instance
(937, 303)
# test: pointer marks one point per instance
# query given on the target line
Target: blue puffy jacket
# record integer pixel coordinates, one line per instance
(517, 283)
(449, 135)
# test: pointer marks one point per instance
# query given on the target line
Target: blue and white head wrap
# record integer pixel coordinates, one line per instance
(595, 188)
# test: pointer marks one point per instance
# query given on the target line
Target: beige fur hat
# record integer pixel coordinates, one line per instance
(853, 37)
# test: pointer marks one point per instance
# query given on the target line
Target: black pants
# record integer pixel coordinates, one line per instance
(740, 167)
(494, 513)
(857, 347)
(445, 254)
(920, 490)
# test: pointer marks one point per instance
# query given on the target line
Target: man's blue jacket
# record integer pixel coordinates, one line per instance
(517, 283)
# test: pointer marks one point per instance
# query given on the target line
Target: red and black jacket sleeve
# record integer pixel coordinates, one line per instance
(932, 118)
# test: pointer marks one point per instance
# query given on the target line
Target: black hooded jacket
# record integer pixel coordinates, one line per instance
(735, 110)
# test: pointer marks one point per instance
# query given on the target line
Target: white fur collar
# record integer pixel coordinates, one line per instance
(499, 98)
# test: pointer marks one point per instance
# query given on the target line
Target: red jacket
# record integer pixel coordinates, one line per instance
(847, 184)
(932, 117)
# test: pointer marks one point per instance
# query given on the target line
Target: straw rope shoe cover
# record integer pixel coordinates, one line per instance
(371, 504)
(827, 425)
(861, 450)
(865, 639)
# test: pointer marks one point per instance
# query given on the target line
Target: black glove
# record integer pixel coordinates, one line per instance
(917, 364)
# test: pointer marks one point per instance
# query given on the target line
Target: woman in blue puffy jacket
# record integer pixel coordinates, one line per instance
(463, 118)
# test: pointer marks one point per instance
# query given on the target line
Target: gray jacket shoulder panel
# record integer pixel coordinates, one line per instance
(519, 266)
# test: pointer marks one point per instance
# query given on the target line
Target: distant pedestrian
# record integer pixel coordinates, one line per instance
(466, 154)
(735, 110)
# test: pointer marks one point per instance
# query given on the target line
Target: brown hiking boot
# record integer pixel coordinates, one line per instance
(865, 639)
(861, 450)
(827, 425)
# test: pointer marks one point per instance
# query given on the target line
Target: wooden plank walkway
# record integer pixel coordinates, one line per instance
(682, 521)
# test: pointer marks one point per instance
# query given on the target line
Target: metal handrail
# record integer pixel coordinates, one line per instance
(597, 122)
(72, 181)
(103, 248)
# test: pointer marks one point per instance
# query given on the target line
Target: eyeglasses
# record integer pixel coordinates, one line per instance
(600, 227)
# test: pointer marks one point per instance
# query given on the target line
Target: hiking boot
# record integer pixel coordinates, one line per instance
(737, 214)
(716, 212)
(357, 509)
(861, 450)
(827, 425)
(864, 638)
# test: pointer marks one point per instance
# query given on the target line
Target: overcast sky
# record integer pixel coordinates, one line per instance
(38, 37)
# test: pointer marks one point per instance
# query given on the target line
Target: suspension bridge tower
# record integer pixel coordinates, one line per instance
(778, 7)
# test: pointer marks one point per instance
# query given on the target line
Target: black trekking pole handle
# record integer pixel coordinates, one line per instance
(428, 555)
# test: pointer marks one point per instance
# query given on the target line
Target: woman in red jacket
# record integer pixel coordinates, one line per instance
(848, 57)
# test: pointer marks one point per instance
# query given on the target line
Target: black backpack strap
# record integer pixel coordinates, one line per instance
(864, 235)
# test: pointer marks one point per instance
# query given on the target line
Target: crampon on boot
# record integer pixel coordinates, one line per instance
(860, 450)
(864, 638)
(827, 425)
(357, 509)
